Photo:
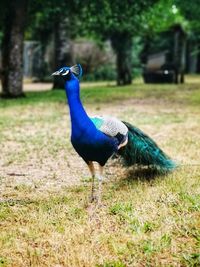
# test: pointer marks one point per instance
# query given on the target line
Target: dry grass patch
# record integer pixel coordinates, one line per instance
(45, 218)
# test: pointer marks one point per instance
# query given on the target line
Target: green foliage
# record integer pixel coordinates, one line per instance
(162, 16)
(148, 247)
(105, 17)
(43, 15)
(104, 72)
(121, 208)
(190, 10)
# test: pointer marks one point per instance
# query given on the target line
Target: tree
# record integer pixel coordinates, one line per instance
(63, 47)
(12, 48)
(57, 22)
(174, 26)
(190, 11)
(119, 21)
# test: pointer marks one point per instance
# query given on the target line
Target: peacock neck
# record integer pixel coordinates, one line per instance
(79, 118)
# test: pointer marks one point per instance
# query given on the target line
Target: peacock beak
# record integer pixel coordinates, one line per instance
(56, 73)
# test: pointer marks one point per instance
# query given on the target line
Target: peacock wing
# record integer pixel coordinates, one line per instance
(111, 126)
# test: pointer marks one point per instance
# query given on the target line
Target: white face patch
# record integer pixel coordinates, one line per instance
(65, 73)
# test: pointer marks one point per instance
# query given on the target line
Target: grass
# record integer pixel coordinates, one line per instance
(110, 93)
(45, 217)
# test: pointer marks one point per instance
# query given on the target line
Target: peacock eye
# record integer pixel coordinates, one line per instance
(65, 72)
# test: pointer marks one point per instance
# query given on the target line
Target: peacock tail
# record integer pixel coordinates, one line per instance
(142, 150)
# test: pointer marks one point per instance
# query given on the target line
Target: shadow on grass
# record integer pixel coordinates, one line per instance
(144, 174)
(140, 174)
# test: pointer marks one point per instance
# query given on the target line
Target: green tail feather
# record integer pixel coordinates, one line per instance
(142, 150)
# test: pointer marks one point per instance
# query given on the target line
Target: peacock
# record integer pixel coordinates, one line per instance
(98, 138)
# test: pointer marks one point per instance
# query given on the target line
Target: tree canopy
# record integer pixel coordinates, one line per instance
(162, 16)
(118, 21)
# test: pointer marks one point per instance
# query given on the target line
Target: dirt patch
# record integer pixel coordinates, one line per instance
(36, 151)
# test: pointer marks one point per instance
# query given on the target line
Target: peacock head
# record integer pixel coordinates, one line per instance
(68, 72)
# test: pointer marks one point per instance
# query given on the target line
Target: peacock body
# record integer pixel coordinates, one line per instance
(98, 138)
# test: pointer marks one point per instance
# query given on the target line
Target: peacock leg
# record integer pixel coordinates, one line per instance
(92, 171)
(100, 180)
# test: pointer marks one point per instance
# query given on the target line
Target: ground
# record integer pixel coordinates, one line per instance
(45, 217)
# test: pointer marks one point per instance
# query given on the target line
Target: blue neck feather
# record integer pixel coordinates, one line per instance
(79, 118)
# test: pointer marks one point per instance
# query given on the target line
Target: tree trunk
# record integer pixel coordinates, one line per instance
(145, 50)
(122, 45)
(63, 48)
(176, 54)
(12, 48)
(183, 55)
(187, 57)
(198, 59)
(179, 54)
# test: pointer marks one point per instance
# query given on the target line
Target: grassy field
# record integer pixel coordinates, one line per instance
(45, 217)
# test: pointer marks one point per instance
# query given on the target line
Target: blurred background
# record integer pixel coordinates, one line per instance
(141, 64)
(113, 40)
